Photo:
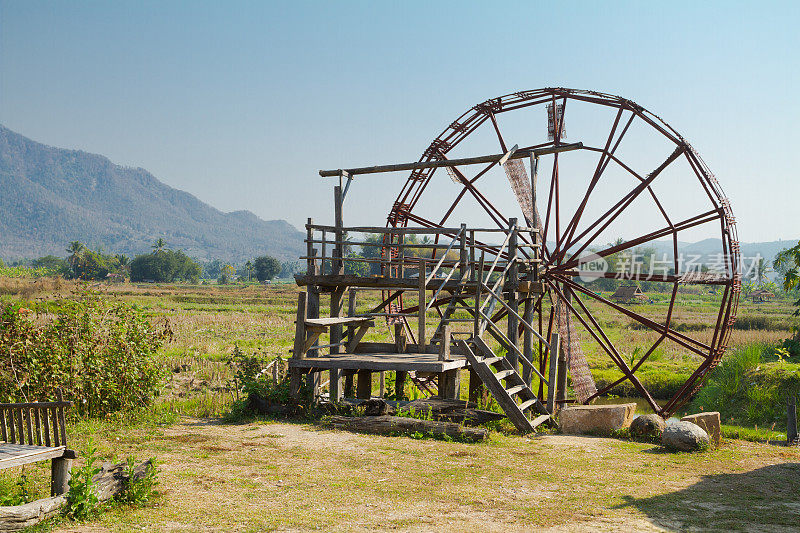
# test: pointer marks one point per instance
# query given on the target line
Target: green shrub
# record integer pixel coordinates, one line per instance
(101, 353)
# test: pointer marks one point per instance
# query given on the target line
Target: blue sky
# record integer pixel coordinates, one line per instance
(240, 103)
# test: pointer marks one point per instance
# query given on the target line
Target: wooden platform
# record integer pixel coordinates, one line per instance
(413, 362)
(20, 454)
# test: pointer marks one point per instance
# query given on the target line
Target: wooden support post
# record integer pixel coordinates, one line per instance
(338, 251)
(400, 384)
(511, 293)
(400, 339)
(401, 252)
(553, 374)
(351, 311)
(791, 419)
(364, 386)
(299, 342)
(311, 264)
(444, 345)
(472, 255)
(527, 343)
(422, 305)
(382, 383)
(477, 315)
(450, 384)
(477, 390)
(348, 383)
(462, 252)
(60, 474)
(334, 385)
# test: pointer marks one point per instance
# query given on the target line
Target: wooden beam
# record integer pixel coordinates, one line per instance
(422, 305)
(493, 158)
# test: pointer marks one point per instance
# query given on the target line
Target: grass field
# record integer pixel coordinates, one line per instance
(290, 476)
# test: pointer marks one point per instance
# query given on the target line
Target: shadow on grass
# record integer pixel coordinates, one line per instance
(765, 499)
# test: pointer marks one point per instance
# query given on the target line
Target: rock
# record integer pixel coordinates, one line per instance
(710, 422)
(596, 419)
(685, 437)
(377, 407)
(647, 426)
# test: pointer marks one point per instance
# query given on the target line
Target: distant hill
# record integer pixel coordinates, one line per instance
(51, 196)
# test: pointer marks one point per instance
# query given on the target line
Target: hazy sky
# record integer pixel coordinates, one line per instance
(241, 103)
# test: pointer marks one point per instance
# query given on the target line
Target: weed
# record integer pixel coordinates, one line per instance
(139, 490)
(82, 502)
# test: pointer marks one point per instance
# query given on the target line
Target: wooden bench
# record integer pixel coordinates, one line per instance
(32, 432)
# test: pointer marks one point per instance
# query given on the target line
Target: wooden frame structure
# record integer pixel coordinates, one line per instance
(458, 280)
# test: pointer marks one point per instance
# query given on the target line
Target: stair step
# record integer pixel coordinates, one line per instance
(527, 404)
(539, 420)
(491, 360)
(514, 390)
(503, 374)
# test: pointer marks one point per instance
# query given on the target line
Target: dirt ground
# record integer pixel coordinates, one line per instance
(292, 477)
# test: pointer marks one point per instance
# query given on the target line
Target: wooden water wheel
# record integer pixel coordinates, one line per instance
(612, 211)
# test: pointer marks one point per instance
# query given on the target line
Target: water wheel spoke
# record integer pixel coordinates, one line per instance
(602, 339)
(609, 216)
(696, 346)
(703, 218)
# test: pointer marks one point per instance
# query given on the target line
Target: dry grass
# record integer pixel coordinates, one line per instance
(268, 476)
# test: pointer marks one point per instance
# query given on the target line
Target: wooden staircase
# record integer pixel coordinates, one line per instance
(493, 371)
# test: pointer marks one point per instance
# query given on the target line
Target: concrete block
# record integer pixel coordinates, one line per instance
(710, 422)
(596, 419)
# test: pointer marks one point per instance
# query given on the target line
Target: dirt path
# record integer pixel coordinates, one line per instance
(292, 477)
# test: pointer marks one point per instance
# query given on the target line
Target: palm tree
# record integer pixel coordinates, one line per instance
(248, 267)
(159, 245)
(75, 249)
(760, 270)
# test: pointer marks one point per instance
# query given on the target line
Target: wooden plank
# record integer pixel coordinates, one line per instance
(35, 405)
(299, 327)
(377, 362)
(54, 421)
(350, 280)
(38, 424)
(20, 426)
(340, 320)
(392, 425)
(61, 421)
(436, 163)
(503, 374)
(444, 344)
(353, 342)
(511, 295)
(28, 424)
(46, 424)
(507, 403)
(12, 455)
(334, 381)
(515, 389)
(421, 304)
(539, 420)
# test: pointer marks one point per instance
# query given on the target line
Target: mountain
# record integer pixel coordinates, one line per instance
(51, 196)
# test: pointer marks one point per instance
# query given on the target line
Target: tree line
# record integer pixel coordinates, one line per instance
(161, 265)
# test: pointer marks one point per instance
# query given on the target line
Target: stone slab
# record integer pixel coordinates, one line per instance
(710, 422)
(596, 419)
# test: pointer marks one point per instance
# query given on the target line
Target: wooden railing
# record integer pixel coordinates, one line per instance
(38, 423)
(401, 258)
